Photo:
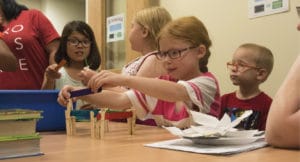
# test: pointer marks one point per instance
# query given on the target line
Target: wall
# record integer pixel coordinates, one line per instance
(228, 25)
(59, 11)
(31, 3)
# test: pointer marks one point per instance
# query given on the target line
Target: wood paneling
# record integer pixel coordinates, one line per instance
(96, 19)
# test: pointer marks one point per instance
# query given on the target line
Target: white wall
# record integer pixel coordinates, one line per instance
(31, 3)
(59, 12)
(228, 25)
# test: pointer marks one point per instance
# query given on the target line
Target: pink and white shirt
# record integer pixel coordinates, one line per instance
(133, 67)
(203, 92)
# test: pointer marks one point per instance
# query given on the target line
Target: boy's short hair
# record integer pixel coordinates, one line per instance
(264, 57)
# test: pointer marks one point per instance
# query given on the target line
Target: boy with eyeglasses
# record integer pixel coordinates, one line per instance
(250, 66)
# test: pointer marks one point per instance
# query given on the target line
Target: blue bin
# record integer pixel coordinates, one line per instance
(44, 100)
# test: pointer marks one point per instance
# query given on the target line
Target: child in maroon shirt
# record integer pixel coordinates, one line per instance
(250, 66)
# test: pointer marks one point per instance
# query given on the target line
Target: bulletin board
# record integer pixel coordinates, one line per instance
(259, 8)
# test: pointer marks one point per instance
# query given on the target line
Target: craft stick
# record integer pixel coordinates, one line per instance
(60, 64)
(92, 122)
(82, 92)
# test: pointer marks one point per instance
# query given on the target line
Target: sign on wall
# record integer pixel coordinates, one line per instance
(115, 28)
(298, 11)
(258, 8)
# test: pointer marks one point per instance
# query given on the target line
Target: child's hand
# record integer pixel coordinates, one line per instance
(51, 72)
(106, 79)
(86, 74)
(64, 95)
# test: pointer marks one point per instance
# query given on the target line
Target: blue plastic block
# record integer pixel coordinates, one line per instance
(45, 100)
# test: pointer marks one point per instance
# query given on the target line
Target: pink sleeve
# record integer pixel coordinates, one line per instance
(138, 101)
(203, 92)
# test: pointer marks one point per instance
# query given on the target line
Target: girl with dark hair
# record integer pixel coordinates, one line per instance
(32, 39)
(79, 49)
(188, 85)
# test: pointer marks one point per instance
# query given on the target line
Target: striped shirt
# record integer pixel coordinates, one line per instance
(203, 92)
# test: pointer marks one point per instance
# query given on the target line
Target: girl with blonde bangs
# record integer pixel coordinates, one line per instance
(170, 98)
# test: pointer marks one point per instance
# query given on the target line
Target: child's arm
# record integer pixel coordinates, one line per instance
(283, 123)
(105, 98)
(8, 61)
(51, 49)
(162, 89)
(50, 75)
(86, 74)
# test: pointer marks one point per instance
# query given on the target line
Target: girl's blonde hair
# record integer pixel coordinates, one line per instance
(153, 19)
(191, 30)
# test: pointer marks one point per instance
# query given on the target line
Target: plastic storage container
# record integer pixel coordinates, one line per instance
(44, 100)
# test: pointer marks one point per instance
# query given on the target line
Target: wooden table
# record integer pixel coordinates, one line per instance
(119, 146)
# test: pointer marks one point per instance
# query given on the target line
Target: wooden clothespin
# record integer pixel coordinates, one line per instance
(70, 120)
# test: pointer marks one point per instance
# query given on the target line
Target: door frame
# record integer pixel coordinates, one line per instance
(96, 18)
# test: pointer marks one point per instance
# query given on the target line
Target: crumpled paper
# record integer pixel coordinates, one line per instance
(208, 126)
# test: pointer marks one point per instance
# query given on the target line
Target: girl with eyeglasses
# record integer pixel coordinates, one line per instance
(145, 27)
(78, 48)
(184, 51)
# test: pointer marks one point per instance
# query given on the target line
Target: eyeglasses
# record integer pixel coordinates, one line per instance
(173, 54)
(240, 67)
(76, 42)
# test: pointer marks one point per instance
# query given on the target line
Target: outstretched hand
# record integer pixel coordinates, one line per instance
(51, 72)
(106, 79)
(64, 95)
(86, 74)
